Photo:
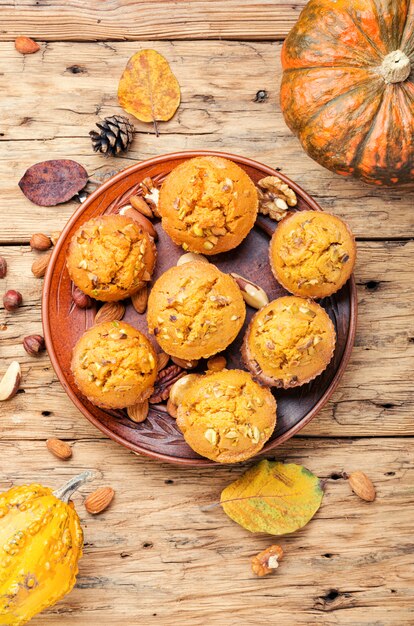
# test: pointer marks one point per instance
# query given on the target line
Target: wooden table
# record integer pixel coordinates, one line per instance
(158, 554)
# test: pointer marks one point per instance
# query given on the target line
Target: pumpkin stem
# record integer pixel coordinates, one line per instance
(65, 492)
(396, 67)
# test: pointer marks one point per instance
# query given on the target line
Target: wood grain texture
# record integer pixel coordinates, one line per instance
(53, 99)
(148, 19)
(161, 553)
(374, 396)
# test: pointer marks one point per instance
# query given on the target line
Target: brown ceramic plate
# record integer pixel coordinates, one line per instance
(64, 323)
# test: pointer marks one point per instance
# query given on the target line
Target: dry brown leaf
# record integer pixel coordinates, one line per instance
(148, 89)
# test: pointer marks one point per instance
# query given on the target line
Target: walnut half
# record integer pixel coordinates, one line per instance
(267, 561)
(275, 197)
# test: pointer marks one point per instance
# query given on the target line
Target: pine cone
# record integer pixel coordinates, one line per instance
(116, 135)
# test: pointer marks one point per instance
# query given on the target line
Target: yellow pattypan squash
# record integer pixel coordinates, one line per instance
(41, 542)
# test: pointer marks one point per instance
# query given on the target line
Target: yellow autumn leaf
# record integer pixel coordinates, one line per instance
(148, 89)
(272, 497)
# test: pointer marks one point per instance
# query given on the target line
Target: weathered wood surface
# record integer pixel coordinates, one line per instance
(162, 554)
(52, 100)
(159, 554)
(148, 19)
(375, 395)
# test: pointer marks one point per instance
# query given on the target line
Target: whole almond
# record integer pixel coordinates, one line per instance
(99, 500)
(140, 219)
(110, 312)
(25, 45)
(184, 363)
(138, 412)
(39, 241)
(59, 448)
(162, 359)
(362, 486)
(140, 205)
(140, 300)
(39, 266)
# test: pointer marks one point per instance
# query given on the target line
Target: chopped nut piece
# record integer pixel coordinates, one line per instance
(231, 434)
(267, 561)
(211, 436)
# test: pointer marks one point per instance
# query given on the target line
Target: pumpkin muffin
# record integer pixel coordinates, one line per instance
(226, 416)
(208, 204)
(110, 257)
(114, 365)
(289, 342)
(195, 311)
(312, 254)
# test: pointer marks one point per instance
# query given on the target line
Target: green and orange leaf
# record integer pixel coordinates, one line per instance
(273, 497)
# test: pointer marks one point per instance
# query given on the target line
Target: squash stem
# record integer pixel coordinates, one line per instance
(65, 493)
(396, 67)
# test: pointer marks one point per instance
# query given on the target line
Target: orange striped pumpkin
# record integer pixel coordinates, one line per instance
(348, 87)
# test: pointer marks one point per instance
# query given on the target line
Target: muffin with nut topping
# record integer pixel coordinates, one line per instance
(312, 254)
(208, 205)
(195, 311)
(111, 257)
(289, 342)
(226, 416)
(114, 365)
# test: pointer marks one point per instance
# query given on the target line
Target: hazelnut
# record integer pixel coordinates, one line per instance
(82, 300)
(3, 267)
(34, 344)
(12, 300)
(39, 241)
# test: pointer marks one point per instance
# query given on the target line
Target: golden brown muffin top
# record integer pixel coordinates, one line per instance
(114, 358)
(289, 342)
(208, 204)
(195, 310)
(226, 416)
(110, 256)
(312, 253)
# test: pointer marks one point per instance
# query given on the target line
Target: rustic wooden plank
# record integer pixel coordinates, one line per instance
(149, 19)
(52, 100)
(374, 397)
(161, 553)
